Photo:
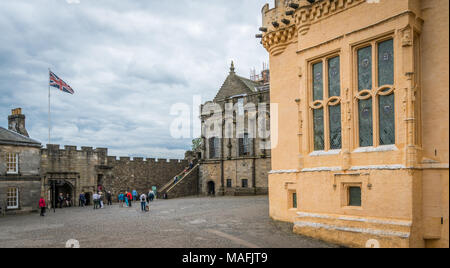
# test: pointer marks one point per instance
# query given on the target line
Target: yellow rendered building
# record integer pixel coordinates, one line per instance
(362, 89)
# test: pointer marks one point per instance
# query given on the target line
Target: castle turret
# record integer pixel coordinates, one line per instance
(16, 122)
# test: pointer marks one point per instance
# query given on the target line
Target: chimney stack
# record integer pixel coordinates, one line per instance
(16, 122)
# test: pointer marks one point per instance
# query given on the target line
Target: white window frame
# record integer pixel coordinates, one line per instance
(16, 206)
(8, 161)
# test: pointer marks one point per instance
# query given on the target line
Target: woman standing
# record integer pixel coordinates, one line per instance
(42, 206)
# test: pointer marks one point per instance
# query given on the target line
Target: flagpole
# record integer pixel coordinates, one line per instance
(49, 118)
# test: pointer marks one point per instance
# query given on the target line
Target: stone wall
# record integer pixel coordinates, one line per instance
(189, 186)
(27, 181)
(141, 174)
(235, 170)
(88, 168)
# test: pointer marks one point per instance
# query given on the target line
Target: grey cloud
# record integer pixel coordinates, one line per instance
(128, 61)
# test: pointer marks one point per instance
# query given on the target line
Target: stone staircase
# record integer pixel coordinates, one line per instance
(341, 229)
(171, 185)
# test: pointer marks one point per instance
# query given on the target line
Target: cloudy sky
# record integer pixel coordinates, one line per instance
(129, 62)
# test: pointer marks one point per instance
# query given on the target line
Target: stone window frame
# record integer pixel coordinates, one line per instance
(245, 185)
(229, 183)
(375, 92)
(16, 195)
(345, 195)
(326, 102)
(12, 159)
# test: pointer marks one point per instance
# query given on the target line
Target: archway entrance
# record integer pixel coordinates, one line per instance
(62, 187)
(211, 188)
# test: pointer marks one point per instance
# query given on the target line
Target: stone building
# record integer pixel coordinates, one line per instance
(363, 159)
(20, 182)
(72, 171)
(236, 138)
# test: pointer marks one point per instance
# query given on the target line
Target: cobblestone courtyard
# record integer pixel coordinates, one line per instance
(226, 222)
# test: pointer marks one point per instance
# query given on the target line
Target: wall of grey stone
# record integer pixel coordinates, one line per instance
(141, 174)
(189, 186)
(236, 170)
(29, 195)
(27, 181)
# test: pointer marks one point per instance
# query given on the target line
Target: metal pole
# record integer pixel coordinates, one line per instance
(54, 196)
(49, 118)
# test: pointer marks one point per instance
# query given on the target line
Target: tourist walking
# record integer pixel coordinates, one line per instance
(130, 199)
(143, 200)
(42, 206)
(82, 200)
(121, 199)
(135, 195)
(101, 198)
(96, 198)
(151, 196)
(109, 198)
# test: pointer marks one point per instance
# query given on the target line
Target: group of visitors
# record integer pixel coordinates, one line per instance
(64, 200)
(125, 199)
(99, 199)
(185, 171)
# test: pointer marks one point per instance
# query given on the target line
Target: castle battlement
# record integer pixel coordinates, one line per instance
(53, 149)
(131, 160)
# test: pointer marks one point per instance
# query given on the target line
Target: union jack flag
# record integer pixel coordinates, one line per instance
(58, 83)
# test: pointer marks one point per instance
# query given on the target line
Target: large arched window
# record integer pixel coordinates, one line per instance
(326, 104)
(375, 96)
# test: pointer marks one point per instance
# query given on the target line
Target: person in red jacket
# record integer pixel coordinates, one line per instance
(42, 206)
(130, 199)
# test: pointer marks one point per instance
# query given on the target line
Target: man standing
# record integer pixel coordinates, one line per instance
(61, 200)
(109, 198)
(96, 198)
(135, 195)
(121, 199)
(143, 200)
(82, 200)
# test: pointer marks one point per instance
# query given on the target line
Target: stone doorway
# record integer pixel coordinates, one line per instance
(62, 187)
(211, 188)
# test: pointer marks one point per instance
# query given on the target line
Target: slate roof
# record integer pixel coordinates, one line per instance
(236, 85)
(8, 137)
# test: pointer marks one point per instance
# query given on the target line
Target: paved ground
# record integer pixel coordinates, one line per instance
(226, 222)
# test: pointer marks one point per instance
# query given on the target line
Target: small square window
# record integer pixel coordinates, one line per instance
(229, 183)
(244, 183)
(354, 196)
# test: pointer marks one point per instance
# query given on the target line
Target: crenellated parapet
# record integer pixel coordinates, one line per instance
(290, 19)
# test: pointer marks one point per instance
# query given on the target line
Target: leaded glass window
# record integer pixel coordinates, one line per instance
(214, 148)
(365, 123)
(365, 68)
(376, 95)
(354, 196)
(326, 96)
(319, 144)
(386, 102)
(334, 90)
(318, 81)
